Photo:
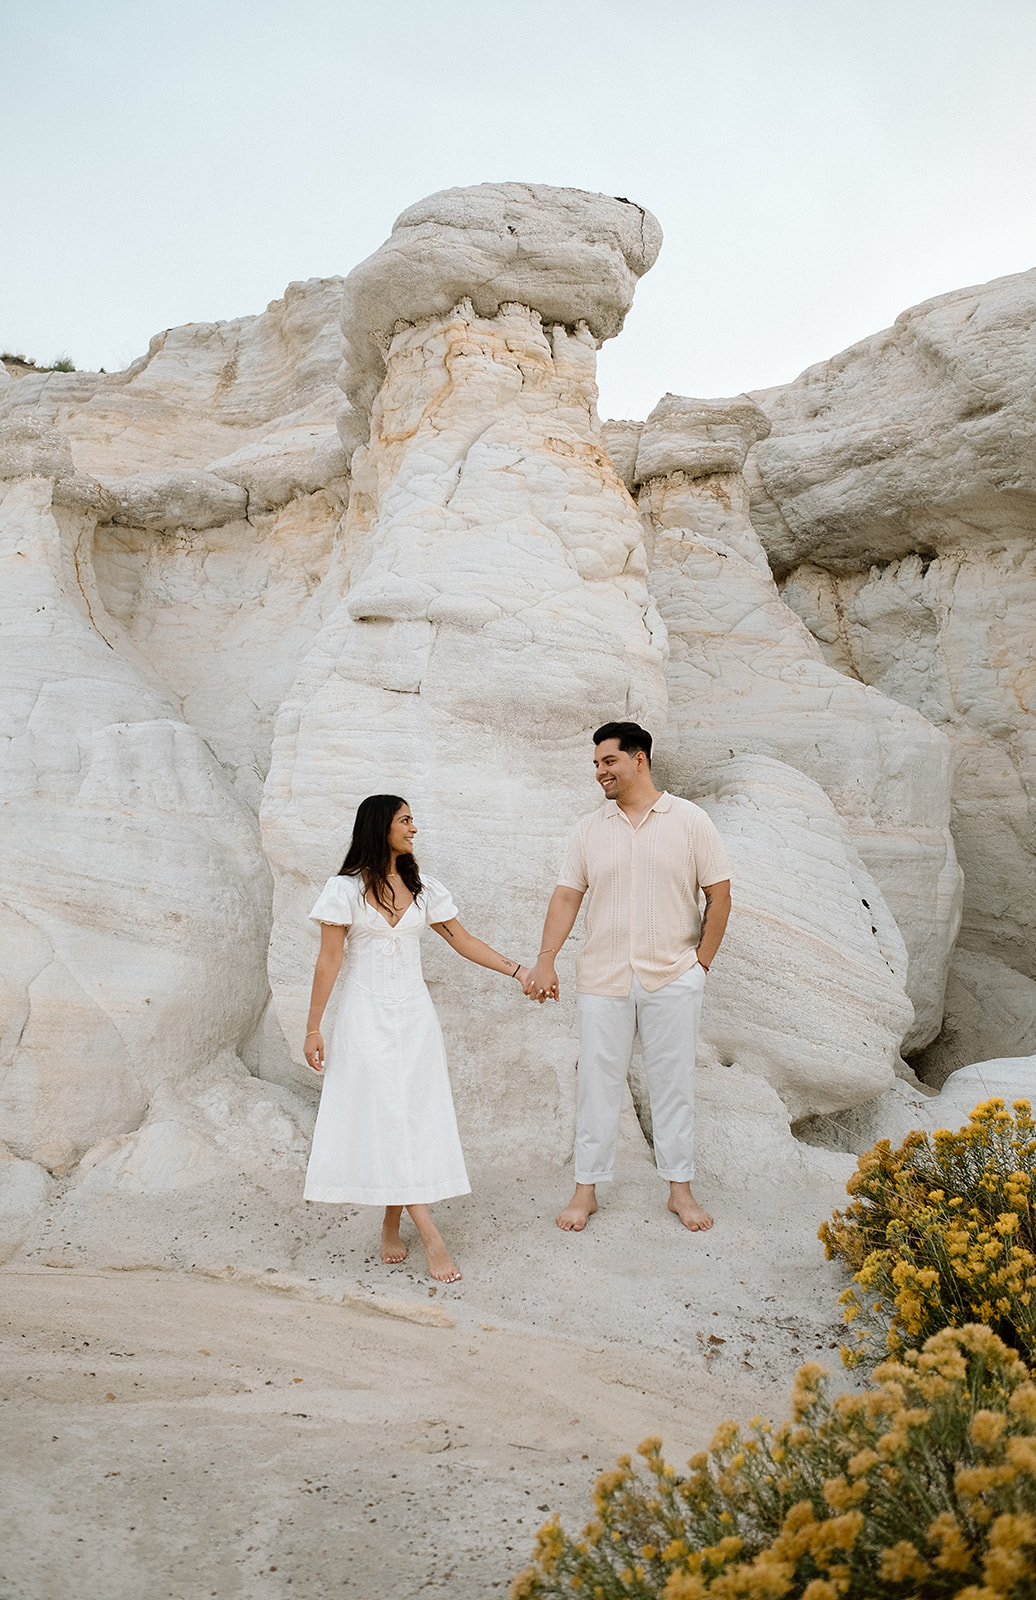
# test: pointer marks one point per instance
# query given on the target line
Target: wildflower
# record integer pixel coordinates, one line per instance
(724, 1435)
(970, 1482)
(841, 1495)
(826, 1533)
(954, 1551)
(607, 1484)
(901, 1561)
(987, 1427)
(684, 1586)
(1007, 1562)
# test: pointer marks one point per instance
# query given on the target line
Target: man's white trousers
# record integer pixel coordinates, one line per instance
(667, 1022)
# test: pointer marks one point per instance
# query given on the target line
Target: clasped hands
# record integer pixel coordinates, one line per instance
(541, 982)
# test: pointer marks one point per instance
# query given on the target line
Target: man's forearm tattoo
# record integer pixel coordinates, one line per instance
(705, 917)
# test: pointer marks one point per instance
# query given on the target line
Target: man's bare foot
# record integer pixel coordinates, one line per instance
(683, 1205)
(393, 1250)
(579, 1210)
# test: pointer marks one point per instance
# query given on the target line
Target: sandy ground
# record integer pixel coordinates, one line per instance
(296, 1420)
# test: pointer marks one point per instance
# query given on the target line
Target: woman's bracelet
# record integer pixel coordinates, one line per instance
(310, 1034)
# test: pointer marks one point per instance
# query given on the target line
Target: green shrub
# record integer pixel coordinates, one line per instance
(941, 1232)
(923, 1486)
(62, 364)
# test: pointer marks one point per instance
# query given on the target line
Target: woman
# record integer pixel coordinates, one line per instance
(386, 1133)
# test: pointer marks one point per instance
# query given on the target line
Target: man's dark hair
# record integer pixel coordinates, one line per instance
(630, 735)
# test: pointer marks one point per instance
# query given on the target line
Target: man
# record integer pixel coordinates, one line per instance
(643, 856)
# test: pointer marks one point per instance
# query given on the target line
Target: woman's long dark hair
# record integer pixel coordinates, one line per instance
(368, 855)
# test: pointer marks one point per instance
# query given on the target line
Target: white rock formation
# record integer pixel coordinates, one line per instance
(572, 256)
(989, 1007)
(895, 498)
(1011, 1078)
(439, 588)
(202, 392)
(809, 994)
(224, 484)
(130, 874)
(496, 611)
(24, 1190)
(219, 617)
(745, 676)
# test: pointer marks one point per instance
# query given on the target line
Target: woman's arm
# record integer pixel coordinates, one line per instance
(483, 955)
(329, 964)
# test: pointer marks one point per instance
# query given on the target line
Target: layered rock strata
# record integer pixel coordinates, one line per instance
(438, 587)
(494, 609)
(896, 498)
(745, 676)
(129, 869)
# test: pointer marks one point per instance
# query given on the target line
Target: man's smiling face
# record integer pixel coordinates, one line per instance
(617, 771)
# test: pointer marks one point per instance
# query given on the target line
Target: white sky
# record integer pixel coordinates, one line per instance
(816, 165)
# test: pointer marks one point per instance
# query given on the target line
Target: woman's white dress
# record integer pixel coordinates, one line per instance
(386, 1132)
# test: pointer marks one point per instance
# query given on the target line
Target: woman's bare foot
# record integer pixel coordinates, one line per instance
(441, 1264)
(683, 1205)
(579, 1210)
(393, 1250)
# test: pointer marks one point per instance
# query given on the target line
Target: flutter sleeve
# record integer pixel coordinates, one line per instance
(438, 901)
(334, 903)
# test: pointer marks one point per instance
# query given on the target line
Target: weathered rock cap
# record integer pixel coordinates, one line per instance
(698, 437)
(179, 498)
(570, 255)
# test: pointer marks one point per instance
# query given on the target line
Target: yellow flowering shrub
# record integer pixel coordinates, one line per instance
(923, 1486)
(939, 1233)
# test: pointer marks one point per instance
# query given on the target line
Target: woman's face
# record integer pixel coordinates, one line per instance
(401, 833)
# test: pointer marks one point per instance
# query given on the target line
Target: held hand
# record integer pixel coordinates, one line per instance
(543, 981)
(313, 1050)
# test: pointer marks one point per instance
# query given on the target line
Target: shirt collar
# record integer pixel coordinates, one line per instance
(663, 803)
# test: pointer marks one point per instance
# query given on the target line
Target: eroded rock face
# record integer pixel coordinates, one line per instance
(202, 392)
(494, 612)
(181, 568)
(953, 635)
(871, 452)
(810, 993)
(128, 869)
(745, 676)
(989, 1008)
(896, 496)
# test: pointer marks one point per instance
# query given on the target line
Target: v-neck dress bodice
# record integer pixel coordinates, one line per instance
(386, 1132)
